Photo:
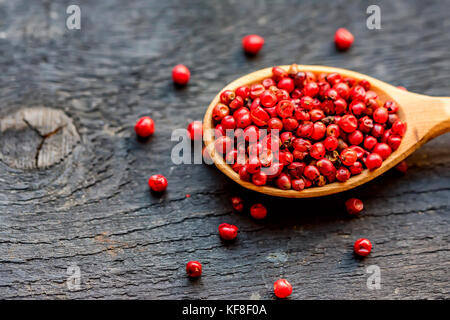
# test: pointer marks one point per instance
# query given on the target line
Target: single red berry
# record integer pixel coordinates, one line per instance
(237, 203)
(365, 124)
(298, 184)
(144, 127)
(282, 288)
(258, 211)
(380, 115)
(244, 175)
(278, 73)
(333, 78)
(357, 108)
(318, 130)
(402, 167)
(223, 144)
(157, 183)
(181, 74)
(399, 128)
(220, 110)
(236, 103)
(259, 178)
(391, 106)
(194, 269)
(355, 138)
(359, 151)
(254, 164)
(343, 174)
(227, 96)
(275, 124)
(311, 89)
(394, 141)
(316, 115)
(356, 168)
(358, 93)
(241, 111)
(256, 90)
(331, 143)
(268, 99)
(311, 172)
(348, 156)
(365, 84)
(393, 117)
(362, 247)
(259, 116)
(243, 92)
(228, 122)
(326, 167)
(354, 206)
(228, 231)
(370, 142)
(348, 123)
(295, 169)
(290, 124)
(252, 43)
(342, 89)
(195, 130)
(268, 82)
(373, 161)
(383, 149)
(283, 182)
(285, 108)
(219, 131)
(317, 150)
(377, 130)
(333, 130)
(286, 84)
(343, 39)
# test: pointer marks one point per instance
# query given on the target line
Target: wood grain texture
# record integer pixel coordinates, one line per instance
(93, 209)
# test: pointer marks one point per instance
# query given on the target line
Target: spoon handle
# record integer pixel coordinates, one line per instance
(443, 115)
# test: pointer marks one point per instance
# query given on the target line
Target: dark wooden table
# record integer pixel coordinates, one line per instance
(92, 208)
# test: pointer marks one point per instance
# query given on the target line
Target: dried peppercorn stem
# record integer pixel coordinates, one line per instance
(426, 117)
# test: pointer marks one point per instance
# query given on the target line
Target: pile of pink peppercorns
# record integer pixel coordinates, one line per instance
(330, 128)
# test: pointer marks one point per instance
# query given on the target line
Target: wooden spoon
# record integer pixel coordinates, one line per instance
(426, 117)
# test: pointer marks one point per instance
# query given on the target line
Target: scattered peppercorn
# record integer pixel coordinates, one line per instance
(181, 74)
(252, 43)
(402, 167)
(343, 39)
(194, 269)
(157, 183)
(282, 288)
(144, 127)
(354, 206)
(237, 203)
(362, 247)
(258, 211)
(228, 231)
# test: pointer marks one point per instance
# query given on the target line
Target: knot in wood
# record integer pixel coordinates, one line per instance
(36, 138)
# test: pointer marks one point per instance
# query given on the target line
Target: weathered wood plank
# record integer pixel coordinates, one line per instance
(94, 210)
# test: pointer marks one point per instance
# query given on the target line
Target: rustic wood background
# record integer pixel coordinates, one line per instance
(92, 208)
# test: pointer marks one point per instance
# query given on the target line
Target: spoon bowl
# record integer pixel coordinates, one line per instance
(426, 118)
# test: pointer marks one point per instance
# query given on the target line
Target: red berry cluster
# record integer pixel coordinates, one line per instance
(330, 128)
